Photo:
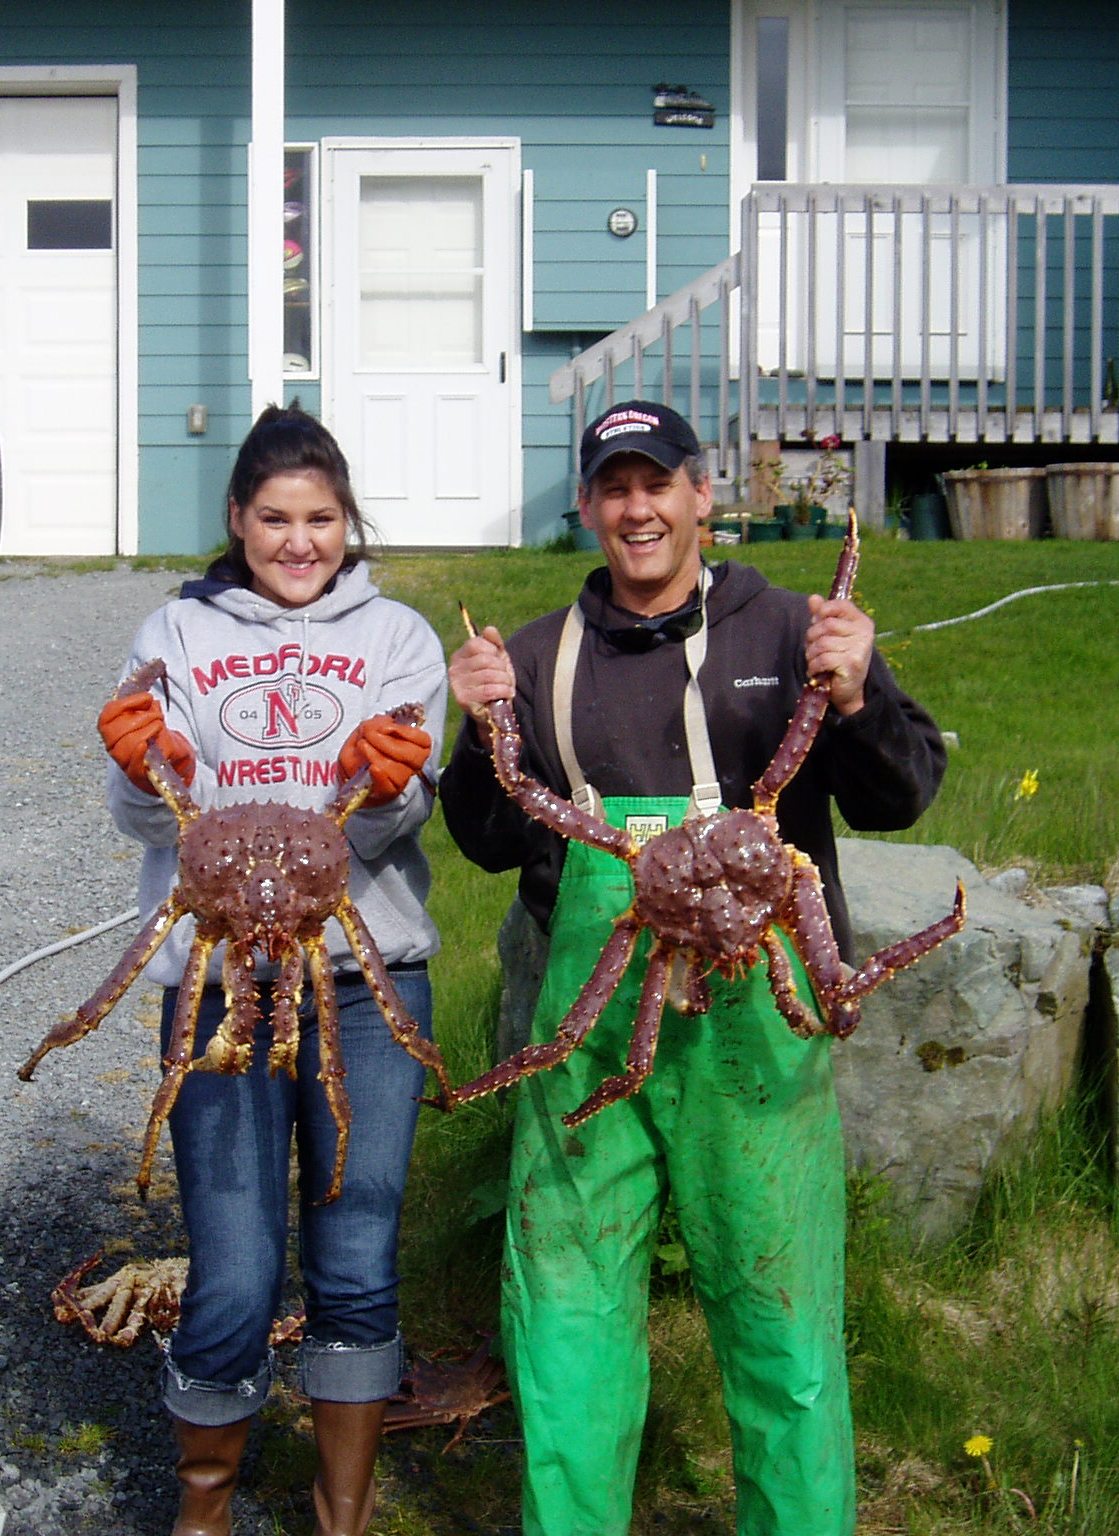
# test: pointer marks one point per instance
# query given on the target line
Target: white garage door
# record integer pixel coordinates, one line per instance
(58, 326)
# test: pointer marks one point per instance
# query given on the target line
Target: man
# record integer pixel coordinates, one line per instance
(738, 1118)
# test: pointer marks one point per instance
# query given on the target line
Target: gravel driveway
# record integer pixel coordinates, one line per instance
(69, 1140)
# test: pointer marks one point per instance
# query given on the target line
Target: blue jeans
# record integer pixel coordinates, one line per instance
(232, 1140)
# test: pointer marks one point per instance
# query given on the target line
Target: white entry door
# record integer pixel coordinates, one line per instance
(908, 94)
(422, 368)
(58, 325)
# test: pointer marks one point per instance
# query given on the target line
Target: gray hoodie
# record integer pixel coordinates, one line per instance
(266, 696)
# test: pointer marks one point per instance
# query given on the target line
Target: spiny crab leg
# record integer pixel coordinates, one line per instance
(163, 777)
(643, 1045)
(812, 705)
(95, 1009)
(180, 1052)
(332, 1070)
(880, 966)
(142, 679)
(574, 1028)
(534, 798)
(402, 1026)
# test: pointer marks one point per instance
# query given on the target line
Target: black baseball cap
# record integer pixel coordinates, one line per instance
(637, 426)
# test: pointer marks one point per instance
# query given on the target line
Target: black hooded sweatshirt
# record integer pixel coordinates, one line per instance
(882, 766)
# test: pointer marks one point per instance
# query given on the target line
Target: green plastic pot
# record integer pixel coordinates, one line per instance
(928, 516)
(584, 538)
(765, 530)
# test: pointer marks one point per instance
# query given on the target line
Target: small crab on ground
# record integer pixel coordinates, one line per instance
(448, 1391)
(134, 1297)
(712, 891)
(137, 1296)
(260, 877)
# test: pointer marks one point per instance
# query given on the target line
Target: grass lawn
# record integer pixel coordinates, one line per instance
(983, 1375)
(1012, 1333)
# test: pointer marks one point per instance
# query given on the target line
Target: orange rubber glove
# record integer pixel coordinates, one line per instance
(393, 752)
(129, 725)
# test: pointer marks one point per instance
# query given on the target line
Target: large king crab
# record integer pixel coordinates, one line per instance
(712, 891)
(261, 877)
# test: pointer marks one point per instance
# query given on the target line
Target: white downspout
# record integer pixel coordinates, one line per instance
(266, 207)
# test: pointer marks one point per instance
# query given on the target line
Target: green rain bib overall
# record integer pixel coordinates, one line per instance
(739, 1121)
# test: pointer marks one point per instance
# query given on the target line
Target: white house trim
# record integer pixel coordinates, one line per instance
(266, 206)
(117, 80)
(528, 248)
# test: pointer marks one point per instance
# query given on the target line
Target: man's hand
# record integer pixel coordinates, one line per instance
(394, 754)
(129, 725)
(839, 643)
(480, 672)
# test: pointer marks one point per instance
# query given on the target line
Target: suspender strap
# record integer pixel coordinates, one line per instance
(706, 794)
(563, 690)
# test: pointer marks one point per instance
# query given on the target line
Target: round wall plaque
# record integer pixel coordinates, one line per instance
(622, 222)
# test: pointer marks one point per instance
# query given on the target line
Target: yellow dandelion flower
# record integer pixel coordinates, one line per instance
(1028, 785)
(978, 1445)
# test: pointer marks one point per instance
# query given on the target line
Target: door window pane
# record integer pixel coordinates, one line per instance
(907, 106)
(300, 297)
(70, 225)
(420, 260)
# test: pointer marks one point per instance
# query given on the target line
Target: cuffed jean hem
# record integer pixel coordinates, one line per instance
(212, 1403)
(350, 1373)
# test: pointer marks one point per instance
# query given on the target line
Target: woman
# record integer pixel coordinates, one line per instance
(282, 664)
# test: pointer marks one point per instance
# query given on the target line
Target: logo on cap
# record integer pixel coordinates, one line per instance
(625, 421)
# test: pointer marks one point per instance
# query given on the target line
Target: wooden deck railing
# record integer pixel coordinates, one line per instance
(891, 313)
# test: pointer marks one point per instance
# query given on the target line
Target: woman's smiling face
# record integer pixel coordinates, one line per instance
(294, 534)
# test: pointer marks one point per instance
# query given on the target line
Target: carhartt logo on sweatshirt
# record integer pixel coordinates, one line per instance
(756, 682)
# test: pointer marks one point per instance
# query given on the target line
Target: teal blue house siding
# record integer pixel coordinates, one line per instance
(576, 90)
(1063, 105)
(194, 116)
(1063, 126)
(574, 86)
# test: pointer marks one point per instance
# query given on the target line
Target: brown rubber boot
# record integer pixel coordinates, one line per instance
(209, 1455)
(347, 1436)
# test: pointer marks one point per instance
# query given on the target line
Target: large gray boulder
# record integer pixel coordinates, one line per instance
(956, 1057)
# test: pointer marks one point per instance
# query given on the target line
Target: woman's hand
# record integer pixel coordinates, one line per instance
(394, 754)
(129, 725)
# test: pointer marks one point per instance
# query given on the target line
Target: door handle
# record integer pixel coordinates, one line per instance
(501, 369)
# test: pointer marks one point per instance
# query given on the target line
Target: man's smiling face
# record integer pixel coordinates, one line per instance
(647, 519)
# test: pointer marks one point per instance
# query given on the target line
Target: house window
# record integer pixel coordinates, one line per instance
(420, 244)
(70, 224)
(300, 262)
(772, 96)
